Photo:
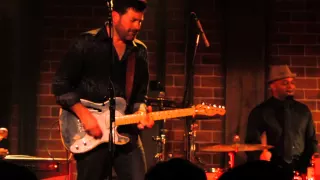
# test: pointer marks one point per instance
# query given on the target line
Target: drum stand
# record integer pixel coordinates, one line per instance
(236, 141)
(191, 156)
(161, 139)
(231, 159)
(161, 146)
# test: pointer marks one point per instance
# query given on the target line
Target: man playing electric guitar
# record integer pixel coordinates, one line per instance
(84, 74)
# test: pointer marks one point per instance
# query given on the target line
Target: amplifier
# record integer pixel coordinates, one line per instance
(43, 168)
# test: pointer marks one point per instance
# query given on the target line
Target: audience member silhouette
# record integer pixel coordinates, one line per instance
(257, 170)
(174, 169)
(10, 171)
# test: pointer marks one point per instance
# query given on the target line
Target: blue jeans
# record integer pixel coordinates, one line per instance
(129, 162)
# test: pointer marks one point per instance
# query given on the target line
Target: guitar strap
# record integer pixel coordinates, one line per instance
(130, 75)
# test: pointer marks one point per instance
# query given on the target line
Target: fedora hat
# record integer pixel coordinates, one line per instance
(278, 72)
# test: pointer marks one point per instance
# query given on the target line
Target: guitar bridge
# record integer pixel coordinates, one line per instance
(94, 110)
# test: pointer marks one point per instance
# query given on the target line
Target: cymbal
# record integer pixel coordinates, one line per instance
(234, 147)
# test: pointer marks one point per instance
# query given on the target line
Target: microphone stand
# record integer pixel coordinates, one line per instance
(188, 93)
(112, 103)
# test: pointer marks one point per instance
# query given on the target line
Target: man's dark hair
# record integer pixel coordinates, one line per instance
(122, 6)
(261, 170)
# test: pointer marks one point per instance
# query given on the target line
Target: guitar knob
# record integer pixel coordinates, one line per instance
(77, 147)
(84, 143)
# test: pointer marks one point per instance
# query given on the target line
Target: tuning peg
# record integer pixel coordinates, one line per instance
(214, 105)
(219, 106)
(203, 103)
(223, 107)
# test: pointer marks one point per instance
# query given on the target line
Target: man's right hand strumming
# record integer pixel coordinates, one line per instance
(89, 122)
(92, 127)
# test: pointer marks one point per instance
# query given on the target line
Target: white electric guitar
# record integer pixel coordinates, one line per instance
(76, 140)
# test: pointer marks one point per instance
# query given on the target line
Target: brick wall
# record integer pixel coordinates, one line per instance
(295, 40)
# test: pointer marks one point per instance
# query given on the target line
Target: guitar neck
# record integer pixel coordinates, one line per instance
(159, 115)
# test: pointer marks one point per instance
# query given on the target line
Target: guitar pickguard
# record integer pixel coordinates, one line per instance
(74, 136)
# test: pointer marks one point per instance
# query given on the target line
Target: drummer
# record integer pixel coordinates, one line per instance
(288, 124)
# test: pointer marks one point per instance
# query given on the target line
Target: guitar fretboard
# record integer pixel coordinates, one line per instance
(159, 115)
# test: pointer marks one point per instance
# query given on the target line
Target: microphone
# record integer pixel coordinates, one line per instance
(109, 4)
(203, 35)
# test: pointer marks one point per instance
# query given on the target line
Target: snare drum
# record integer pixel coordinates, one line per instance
(214, 173)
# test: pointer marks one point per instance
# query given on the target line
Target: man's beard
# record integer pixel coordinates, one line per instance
(286, 96)
(124, 35)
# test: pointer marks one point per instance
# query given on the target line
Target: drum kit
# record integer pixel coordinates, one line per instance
(230, 149)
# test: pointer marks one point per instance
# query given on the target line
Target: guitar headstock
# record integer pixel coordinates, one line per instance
(209, 110)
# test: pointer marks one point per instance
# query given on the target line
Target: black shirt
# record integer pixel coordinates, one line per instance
(84, 71)
(269, 117)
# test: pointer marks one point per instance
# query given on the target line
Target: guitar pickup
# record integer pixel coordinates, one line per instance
(95, 110)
